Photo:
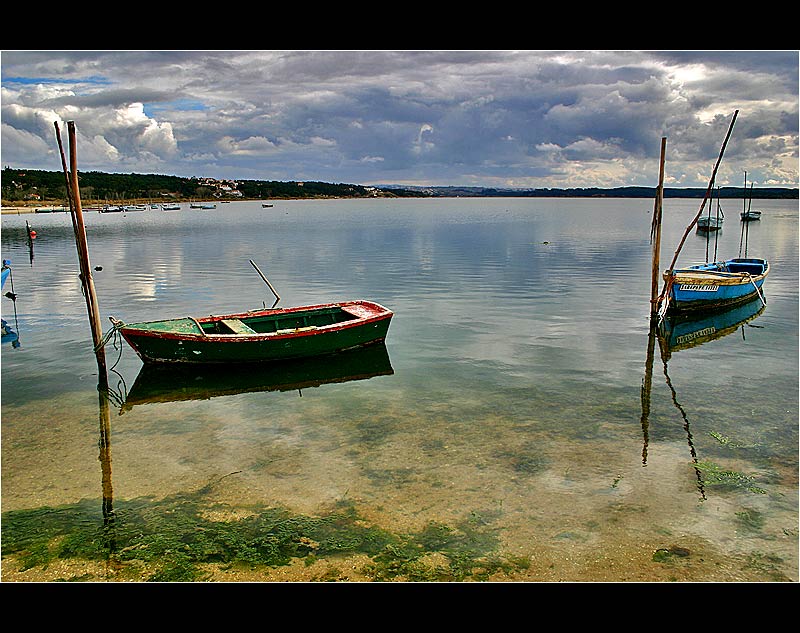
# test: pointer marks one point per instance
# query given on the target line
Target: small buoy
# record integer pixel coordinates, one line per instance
(98, 268)
(33, 235)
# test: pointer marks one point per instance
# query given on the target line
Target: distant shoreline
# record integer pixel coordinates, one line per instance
(31, 208)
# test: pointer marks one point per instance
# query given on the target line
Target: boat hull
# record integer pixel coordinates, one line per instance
(716, 286)
(264, 336)
(709, 224)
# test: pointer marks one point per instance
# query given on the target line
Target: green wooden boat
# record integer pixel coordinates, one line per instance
(259, 335)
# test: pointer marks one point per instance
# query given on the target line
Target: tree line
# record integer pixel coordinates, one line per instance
(19, 185)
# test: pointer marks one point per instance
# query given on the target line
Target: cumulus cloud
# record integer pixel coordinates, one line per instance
(531, 118)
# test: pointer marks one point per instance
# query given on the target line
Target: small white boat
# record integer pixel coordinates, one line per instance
(709, 223)
(747, 214)
(171, 207)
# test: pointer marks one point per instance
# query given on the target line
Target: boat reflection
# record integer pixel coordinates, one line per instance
(10, 335)
(680, 333)
(170, 383)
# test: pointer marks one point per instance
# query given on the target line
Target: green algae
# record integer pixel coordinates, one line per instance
(173, 540)
(715, 475)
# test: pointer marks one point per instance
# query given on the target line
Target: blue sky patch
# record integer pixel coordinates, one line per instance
(179, 104)
(100, 81)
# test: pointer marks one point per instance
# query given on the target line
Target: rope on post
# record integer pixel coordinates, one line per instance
(116, 325)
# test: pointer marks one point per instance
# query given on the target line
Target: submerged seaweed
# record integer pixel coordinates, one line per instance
(173, 538)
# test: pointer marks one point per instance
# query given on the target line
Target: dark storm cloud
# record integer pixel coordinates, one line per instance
(494, 118)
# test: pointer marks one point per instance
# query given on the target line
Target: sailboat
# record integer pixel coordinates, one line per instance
(716, 285)
(748, 214)
(710, 222)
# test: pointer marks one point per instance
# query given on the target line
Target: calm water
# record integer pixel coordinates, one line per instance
(515, 399)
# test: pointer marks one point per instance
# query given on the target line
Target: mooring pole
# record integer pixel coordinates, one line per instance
(655, 233)
(664, 296)
(74, 197)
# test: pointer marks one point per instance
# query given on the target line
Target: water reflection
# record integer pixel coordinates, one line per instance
(677, 333)
(510, 408)
(158, 383)
(10, 335)
(681, 333)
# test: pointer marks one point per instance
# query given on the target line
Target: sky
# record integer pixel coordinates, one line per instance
(485, 118)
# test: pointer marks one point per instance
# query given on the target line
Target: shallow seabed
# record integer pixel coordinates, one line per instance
(520, 424)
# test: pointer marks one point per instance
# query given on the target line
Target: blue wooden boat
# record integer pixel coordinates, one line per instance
(682, 332)
(6, 271)
(715, 286)
(8, 335)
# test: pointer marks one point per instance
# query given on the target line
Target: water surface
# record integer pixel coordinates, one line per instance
(519, 401)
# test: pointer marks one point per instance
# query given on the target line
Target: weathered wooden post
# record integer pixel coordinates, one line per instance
(655, 233)
(74, 197)
(92, 307)
(664, 296)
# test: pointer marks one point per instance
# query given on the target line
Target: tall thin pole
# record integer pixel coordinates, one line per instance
(708, 191)
(655, 232)
(74, 197)
(744, 195)
(668, 283)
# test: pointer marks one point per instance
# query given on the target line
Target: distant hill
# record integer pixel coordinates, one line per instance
(24, 185)
(29, 185)
(596, 192)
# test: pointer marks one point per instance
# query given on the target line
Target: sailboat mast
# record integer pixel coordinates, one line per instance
(744, 194)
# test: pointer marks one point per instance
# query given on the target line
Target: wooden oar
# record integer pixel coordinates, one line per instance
(266, 281)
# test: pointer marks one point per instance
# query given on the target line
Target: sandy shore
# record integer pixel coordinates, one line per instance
(18, 210)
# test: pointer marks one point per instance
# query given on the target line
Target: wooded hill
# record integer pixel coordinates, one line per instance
(20, 185)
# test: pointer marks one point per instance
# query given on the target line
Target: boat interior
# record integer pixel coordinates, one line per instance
(279, 323)
(750, 266)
